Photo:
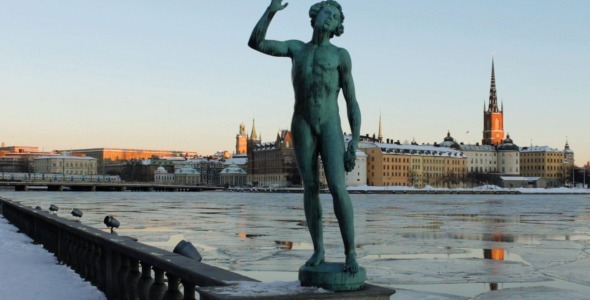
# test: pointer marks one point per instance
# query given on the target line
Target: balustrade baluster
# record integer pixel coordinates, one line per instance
(71, 251)
(75, 254)
(65, 248)
(173, 293)
(158, 288)
(83, 259)
(99, 266)
(114, 279)
(189, 290)
(90, 265)
(133, 279)
(122, 278)
(145, 281)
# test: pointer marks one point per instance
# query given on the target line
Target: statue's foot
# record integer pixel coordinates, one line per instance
(316, 259)
(351, 265)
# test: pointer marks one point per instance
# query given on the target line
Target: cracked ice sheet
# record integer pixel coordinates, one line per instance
(576, 271)
(532, 293)
(445, 271)
(547, 258)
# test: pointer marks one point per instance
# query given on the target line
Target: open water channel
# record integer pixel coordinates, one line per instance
(425, 246)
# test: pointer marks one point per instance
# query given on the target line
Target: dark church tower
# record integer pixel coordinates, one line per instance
(493, 117)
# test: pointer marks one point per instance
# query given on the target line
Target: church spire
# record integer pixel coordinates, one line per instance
(380, 130)
(253, 135)
(493, 101)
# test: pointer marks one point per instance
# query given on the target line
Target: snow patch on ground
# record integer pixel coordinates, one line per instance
(31, 272)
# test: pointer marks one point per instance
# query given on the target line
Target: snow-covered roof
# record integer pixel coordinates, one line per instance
(186, 170)
(172, 158)
(236, 160)
(488, 148)
(427, 150)
(519, 178)
(539, 149)
(233, 169)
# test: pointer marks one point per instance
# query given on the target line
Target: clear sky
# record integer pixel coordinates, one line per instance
(178, 75)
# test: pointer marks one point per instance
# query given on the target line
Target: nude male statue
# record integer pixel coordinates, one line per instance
(319, 71)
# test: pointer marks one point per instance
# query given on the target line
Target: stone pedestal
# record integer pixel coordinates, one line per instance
(331, 276)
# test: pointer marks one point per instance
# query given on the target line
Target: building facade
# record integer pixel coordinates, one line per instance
(182, 176)
(544, 162)
(414, 165)
(508, 158)
(107, 156)
(273, 164)
(233, 175)
(70, 165)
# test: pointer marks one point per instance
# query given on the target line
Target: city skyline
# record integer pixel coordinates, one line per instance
(179, 76)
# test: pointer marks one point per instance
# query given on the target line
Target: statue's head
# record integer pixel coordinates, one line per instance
(317, 8)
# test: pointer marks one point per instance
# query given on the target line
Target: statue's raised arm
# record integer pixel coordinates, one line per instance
(258, 39)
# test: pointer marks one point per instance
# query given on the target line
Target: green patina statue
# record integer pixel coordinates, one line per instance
(319, 71)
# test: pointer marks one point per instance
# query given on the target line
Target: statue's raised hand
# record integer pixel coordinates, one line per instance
(276, 5)
(350, 157)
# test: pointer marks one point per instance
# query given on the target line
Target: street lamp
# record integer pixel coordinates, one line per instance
(77, 213)
(111, 222)
(187, 249)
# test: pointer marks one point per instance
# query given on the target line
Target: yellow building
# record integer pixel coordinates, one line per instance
(386, 168)
(542, 162)
(414, 165)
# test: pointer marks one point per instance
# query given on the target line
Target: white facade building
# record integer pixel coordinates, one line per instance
(480, 158)
(508, 158)
(187, 176)
(181, 176)
(233, 176)
(161, 176)
(358, 176)
(69, 165)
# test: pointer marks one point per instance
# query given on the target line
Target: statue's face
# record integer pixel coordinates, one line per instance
(328, 19)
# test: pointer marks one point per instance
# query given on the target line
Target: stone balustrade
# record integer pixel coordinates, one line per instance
(119, 266)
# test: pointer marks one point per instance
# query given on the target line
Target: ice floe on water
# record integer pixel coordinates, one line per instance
(533, 293)
(531, 246)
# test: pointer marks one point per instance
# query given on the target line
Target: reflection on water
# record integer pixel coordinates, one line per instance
(249, 235)
(288, 245)
(455, 253)
(457, 244)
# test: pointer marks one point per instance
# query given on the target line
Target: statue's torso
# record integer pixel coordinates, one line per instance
(316, 82)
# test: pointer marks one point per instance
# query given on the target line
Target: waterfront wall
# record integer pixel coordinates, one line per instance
(119, 266)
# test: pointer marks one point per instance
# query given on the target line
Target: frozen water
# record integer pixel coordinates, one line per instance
(426, 246)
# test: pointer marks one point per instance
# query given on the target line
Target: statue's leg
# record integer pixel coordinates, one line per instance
(332, 151)
(306, 154)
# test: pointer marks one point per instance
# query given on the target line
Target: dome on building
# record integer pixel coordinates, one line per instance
(161, 170)
(508, 145)
(449, 142)
(186, 170)
(233, 169)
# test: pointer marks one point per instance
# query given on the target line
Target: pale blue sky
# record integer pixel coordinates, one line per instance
(179, 75)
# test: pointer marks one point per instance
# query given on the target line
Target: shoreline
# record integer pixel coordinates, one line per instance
(485, 190)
